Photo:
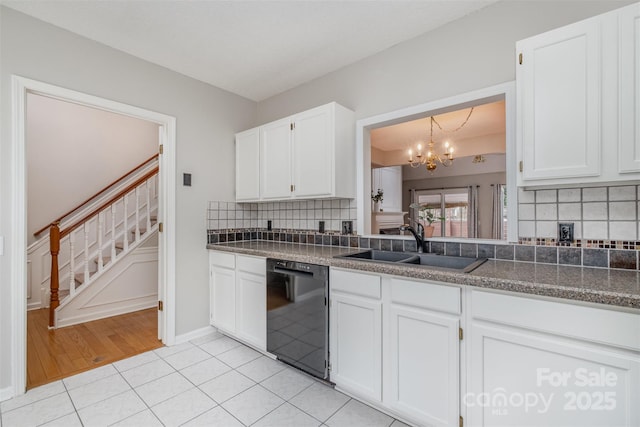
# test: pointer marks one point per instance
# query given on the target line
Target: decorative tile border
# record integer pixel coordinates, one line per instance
(526, 250)
(582, 243)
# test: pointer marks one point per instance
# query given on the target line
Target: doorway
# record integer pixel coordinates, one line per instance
(166, 212)
(364, 128)
(111, 153)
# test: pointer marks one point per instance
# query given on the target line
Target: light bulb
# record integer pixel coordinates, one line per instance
(410, 155)
(419, 148)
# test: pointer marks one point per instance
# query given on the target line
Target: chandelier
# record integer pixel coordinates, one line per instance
(431, 159)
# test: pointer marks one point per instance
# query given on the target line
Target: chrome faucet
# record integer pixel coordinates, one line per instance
(419, 235)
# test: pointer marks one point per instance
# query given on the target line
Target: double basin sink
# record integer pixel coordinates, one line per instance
(452, 263)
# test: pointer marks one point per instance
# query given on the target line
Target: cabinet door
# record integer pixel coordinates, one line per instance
(223, 298)
(526, 379)
(424, 369)
(313, 145)
(251, 312)
(248, 165)
(391, 184)
(275, 163)
(356, 345)
(559, 90)
(629, 89)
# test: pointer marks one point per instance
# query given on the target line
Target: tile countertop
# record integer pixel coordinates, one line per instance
(597, 285)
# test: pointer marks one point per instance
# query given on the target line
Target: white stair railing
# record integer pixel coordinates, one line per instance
(86, 261)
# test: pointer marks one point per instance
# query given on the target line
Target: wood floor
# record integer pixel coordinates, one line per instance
(59, 353)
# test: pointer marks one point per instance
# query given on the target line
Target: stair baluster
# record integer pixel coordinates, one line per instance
(148, 207)
(125, 237)
(86, 252)
(72, 264)
(137, 233)
(113, 232)
(100, 232)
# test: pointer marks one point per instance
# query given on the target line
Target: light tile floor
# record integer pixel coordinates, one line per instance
(211, 381)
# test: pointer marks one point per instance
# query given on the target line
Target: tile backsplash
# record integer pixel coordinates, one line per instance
(294, 215)
(608, 215)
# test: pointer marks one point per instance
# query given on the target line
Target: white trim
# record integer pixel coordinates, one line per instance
(167, 240)
(198, 333)
(363, 145)
(6, 393)
(18, 240)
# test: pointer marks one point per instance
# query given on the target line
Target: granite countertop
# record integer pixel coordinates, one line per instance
(597, 285)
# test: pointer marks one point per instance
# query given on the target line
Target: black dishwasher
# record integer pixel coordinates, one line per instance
(297, 315)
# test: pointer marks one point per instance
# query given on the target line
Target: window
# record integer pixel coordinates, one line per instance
(450, 204)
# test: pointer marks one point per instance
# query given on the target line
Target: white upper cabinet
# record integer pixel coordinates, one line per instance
(629, 72)
(559, 88)
(305, 156)
(578, 95)
(275, 160)
(248, 165)
(313, 153)
(389, 180)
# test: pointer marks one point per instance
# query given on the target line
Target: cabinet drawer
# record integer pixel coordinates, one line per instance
(600, 325)
(366, 285)
(250, 264)
(426, 295)
(222, 259)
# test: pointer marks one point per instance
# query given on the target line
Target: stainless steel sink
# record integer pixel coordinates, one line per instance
(453, 263)
(458, 263)
(385, 256)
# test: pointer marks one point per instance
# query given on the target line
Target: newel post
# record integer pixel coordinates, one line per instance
(54, 244)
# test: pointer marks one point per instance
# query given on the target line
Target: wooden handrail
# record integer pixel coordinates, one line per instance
(58, 220)
(111, 200)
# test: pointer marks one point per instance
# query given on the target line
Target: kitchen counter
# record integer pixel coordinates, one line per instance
(596, 285)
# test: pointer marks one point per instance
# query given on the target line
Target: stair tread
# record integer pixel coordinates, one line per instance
(79, 278)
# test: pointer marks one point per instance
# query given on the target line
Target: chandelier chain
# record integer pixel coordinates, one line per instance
(459, 127)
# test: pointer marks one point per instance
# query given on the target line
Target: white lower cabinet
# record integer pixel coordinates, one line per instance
(356, 333)
(238, 297)
(251, 300)
(422, 351)
(536, 362)
(222, 290)
(407, 347)
(395, 343)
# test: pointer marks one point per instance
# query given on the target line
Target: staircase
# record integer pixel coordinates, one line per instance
(94, 266)
(90, 245)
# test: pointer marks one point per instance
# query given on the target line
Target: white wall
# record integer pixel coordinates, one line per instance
(74, 151)
(207, 119)
(474, 52)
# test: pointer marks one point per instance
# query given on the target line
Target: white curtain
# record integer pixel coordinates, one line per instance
(413, 212)
(472, 222)
(496, 216)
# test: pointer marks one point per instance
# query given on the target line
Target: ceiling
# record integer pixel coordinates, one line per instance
(255, 49)
(486, 119)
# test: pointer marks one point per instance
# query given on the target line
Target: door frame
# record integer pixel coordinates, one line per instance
(18, 242)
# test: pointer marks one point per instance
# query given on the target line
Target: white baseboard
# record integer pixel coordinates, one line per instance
(6, 393)
(194, 334)
(123, 308)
